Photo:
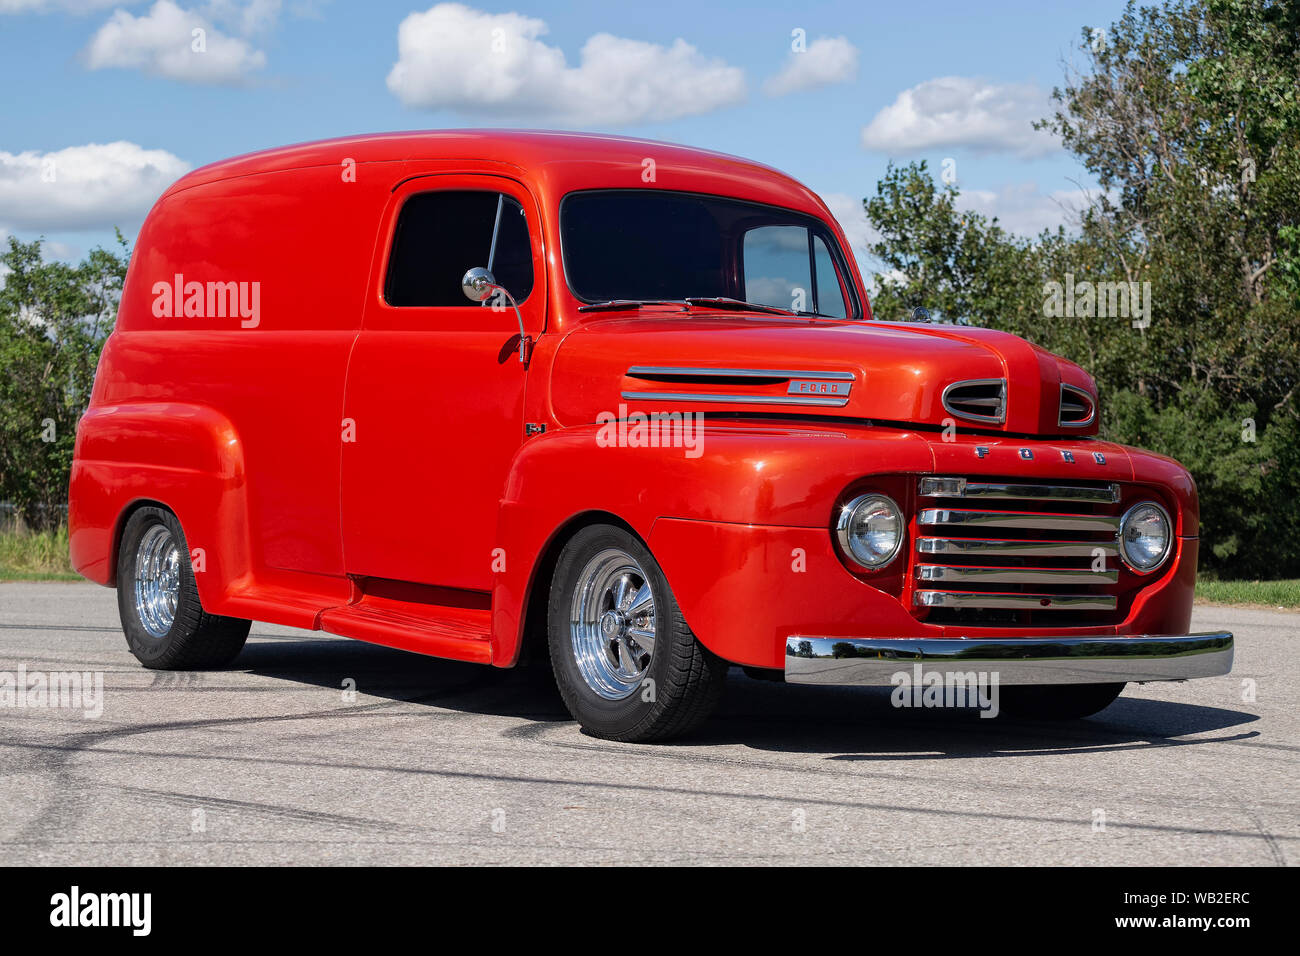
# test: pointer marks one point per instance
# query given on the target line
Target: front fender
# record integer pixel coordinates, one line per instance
(734, 476)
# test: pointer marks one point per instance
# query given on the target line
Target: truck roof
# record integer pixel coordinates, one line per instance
(531, 151)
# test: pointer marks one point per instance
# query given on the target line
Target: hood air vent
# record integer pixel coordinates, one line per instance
(978, 400)
(1078, 410)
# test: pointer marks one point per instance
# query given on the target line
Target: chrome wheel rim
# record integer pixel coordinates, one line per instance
(157, 580)
(612, 624)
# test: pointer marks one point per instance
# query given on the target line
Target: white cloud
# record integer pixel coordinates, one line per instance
(848, 212)
(455, 57)
(163, 42)
(97, 186)
(828, 60)
(953, 111)
(1021, 208)
(245, 16)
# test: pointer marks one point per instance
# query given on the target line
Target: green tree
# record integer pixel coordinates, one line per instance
(1188, 117)
(54, 318)
(960, 265)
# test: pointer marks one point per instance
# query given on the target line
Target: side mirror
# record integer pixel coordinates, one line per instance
(479, 285)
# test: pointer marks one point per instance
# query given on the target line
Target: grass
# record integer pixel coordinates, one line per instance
(35, 556)
(43, 556)
(1274, 594)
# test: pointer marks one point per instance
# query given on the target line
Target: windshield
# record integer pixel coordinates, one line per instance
(655, 245)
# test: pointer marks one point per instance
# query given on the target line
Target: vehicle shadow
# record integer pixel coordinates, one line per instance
(326, 661)
(840, 723)
(863, 724)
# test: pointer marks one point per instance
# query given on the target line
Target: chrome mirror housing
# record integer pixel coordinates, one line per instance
(477, 284)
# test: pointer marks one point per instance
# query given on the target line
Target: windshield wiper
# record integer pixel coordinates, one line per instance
(612, 305)
(722, 302)
(690, 302)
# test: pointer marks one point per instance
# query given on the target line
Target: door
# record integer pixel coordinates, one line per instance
(435, 389)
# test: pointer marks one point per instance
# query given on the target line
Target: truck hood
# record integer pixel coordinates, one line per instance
(889, 372)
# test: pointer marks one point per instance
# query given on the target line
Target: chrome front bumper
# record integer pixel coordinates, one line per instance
(1099, 659)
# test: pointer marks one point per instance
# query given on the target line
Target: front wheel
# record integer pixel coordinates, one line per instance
(1057, 701)
(626, 664)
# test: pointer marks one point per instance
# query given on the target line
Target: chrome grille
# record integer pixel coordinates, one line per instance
(1016, 553)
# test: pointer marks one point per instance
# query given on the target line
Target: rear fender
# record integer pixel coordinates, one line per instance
(185, 457)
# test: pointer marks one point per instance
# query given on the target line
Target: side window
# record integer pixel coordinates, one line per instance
(830, 298)
(777, 270)
(440, 235)
(790, 268)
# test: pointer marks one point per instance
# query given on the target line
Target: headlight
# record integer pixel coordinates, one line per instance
(1145, 537)
(870, 530)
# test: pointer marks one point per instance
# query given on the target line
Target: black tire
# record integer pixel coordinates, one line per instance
(195, 639)
(687, 678)
(1057, 701)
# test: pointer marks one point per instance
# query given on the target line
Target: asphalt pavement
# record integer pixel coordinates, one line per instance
(314, 749)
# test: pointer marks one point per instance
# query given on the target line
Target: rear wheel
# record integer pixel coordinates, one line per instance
(626, 664)
(165, 624)
(1057, 701)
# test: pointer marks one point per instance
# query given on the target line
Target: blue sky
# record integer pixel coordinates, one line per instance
(935, 80)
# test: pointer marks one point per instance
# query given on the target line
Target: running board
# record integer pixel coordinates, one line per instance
(440, 630)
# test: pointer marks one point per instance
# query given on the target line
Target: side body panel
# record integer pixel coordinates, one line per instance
(220, 393)
(436, 397)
